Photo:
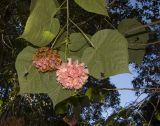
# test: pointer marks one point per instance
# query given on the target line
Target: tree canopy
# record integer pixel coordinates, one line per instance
(101, 37)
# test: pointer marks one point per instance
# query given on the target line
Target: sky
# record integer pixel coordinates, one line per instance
(133, 2)
(124, 81)
(126, 96)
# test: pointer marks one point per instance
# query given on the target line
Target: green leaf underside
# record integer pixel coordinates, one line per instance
(110, 55)
(78, 44)
(136, 55)
(32, 81)
(135, 39)
(89, 93)
(94, 6)
(41, 27)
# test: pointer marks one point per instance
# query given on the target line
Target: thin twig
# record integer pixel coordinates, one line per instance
(109, 23)
(84, 22)
(132, 89)
(111, 3)
(60, 7)
(67, 22)
(5, 42)
(67, 18)
(82, 32)
(59, 34)
(155, 108)
(140, 27)
(145, 44)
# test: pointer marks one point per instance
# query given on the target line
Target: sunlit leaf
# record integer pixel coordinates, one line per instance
(32, 81)
(95, 6)
(110, 55)
(89, 93)
(41, 27)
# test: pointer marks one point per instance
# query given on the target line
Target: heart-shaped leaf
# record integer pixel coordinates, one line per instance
(110, 55)
(33, 81)
(95, 6)
(41, 27)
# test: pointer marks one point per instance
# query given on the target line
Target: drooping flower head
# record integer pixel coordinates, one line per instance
(45, 59)
(72, 75)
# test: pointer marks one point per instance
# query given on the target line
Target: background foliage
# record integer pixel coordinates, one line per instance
(36, 109)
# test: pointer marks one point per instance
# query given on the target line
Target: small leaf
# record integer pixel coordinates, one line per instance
(78, 44)
(61, 108)
(94, 6)
(157, 115)
(89, 93)
(33, 81)
(110, 55)
(41, 27)
(136, 39)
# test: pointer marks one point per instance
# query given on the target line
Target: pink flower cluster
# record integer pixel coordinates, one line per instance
(45, 59)
(72, 75)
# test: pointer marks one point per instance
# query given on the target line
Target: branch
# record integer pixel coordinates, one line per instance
(67, 22)
(145, 44)
(111, 3)
(140, 27)
(132, 89)
(82, 33)
(109, 23)
(58, 35)
(84, 22)
(155, 109)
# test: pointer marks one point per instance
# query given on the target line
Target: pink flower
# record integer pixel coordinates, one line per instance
(45, 59)
(72, 75)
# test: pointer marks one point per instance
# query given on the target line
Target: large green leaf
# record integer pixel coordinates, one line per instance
(95, 6)
(110, 55)
(32, 81)
(41, 27)
(33, 4)
(136, 38)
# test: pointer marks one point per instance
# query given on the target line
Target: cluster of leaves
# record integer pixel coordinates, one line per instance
(95, 54)
(93, 51)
